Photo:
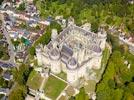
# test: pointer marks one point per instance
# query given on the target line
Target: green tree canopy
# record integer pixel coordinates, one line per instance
(21, 74)
(32, 51)
(82, 95)
(18, 93)
(21, 7)
(94, 26)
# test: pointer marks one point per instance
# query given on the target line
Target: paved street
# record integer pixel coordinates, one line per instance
(21, 16)
(10, 46)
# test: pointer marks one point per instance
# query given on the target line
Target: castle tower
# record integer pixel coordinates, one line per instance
(97, 51)
(45, 57)
(54, 34)
(54, 55)
(39, 55)
(72, 70)
(87, 26)
(70, 21)
(103, 37)
(81, 55)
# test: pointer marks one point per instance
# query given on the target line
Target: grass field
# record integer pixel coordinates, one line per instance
(54, 87)
(62, 75)
(34, 80)
(90, 87)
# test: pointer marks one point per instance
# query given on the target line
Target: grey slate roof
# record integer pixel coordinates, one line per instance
(66, 50)
(7, 76)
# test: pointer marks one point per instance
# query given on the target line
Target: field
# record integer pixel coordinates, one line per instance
(62, 75)
(90, 87)
(34, 80)
(54, 87)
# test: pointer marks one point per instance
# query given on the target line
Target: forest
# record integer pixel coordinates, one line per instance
(118, 13)
(118, 79)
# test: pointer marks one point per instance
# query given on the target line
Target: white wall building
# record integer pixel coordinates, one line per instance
(74, 51)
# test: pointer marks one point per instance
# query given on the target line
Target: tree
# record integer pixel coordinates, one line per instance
(45, 38)
(124, 48)
(21, 74)
(34, 1)
(62, 1)
(15, 43)
(117, 80)
(55, 25)
(94, 26)
(21, 7)
(18, 93)
(128, 96)
(1, 35)
(131, 87)
(82, 95)
(32, 51)
(1, 1)
(1, 54)
(104, 95)
(117, 94)
(37, 27)
(111, 83)
(109, 20)
(3, 83)
(72, 98)
(23, 25)
(129, 25)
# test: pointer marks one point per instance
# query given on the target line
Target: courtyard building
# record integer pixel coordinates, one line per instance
(74, 51)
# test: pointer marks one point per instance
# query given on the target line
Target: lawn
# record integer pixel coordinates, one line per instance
(34, 80)
(90, 87)
(62, 75)
(54, 87)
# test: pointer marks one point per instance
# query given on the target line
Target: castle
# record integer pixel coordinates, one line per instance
(74, 51)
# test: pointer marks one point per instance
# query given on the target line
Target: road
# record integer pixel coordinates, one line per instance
(21, 16)
(10, 46)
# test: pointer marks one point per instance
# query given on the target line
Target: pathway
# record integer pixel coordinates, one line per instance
(62, 92)
(59, 78)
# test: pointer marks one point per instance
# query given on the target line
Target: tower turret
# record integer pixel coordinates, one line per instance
(97, 50)
(39, 55)
(72, 70)
(54, 55)
(54, 34)
(103, 36)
